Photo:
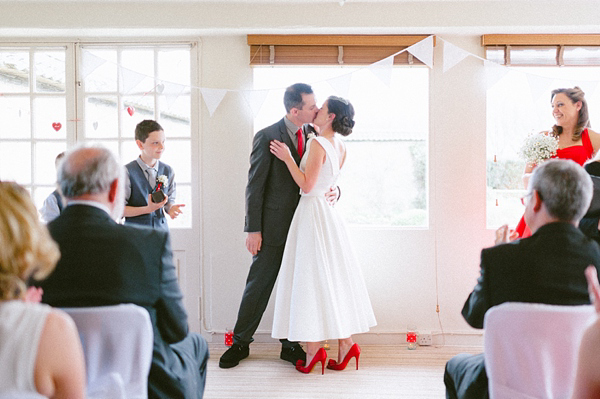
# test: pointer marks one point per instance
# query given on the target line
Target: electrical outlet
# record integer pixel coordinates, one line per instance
(425, 339)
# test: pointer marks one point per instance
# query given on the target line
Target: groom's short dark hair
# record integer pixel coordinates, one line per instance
(293, 96)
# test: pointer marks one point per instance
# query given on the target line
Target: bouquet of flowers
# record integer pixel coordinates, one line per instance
(538, 147)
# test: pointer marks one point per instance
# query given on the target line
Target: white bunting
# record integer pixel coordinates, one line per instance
(129, 79)
(90, 63)
(493, 73)
(172, 91)
(341, 84)
(383, 69)
(212, 98)
(255, 99)
(589, 87)
(453, 55)
(423, 50)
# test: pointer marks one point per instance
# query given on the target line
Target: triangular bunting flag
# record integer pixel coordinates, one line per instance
(493, 73)
(255, 99)
(383, 69)
(589, 87)
(212, 98)
(90, 63)
(129, 79)
(538, 85)
(453, 55)
(341, 84)
(172, 91)
(423, 50)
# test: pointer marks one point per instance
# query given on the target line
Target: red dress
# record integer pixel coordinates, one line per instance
(578, 153)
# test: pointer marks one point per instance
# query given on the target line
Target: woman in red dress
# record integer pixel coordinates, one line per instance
(575, 140)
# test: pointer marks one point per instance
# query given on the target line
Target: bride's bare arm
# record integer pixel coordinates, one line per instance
(306, 181)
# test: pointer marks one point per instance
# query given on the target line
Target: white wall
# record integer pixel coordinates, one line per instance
(408, 271)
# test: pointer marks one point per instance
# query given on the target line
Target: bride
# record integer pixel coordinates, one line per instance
(321, 293)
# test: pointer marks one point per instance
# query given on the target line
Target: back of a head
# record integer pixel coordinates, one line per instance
(292, 98)
(87, 170)
(564, 187)
(27, 249)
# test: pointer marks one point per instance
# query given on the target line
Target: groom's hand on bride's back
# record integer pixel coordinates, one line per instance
(333, 195)
(254, 242)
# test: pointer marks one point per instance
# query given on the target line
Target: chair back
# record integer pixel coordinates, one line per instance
(117, 344)
(531, 349)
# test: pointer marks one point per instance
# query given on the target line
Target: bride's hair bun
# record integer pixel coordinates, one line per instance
(344, 115)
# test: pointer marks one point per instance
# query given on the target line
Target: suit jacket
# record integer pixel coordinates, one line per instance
(547, 267)
(271, 194)
(105, 263)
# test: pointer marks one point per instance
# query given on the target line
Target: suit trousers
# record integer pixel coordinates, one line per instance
(188, 377)
(465, 377)
(259, 286)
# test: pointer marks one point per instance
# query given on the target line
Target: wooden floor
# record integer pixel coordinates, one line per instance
(384, 372)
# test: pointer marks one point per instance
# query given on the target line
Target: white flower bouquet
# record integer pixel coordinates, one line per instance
(539, 147)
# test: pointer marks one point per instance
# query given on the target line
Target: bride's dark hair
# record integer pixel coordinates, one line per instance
(344, 115)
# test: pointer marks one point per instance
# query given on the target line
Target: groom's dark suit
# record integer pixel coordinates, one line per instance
(105, 263)
(547, 267)
(271, 199)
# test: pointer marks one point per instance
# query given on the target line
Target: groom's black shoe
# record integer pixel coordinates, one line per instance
(293, 354)
(233, 355)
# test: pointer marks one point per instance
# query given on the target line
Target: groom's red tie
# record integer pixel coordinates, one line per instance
(300, 142)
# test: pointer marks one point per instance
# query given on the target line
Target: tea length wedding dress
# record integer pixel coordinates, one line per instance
(321, 292)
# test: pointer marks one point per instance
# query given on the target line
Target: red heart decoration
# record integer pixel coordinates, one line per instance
(130, 111)
(56, 126)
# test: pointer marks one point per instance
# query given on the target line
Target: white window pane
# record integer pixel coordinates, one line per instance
(178, 154)
(50, 117)
(533, 56)
(383, 183)
(45, 156)
(142, 107)
(495, 54)
(15, 116)
(101, 69)
(49, 67)
(581, 56)
(129, 151)
(137, 75)
(14, 71)
(174, 65)
(15, 162)
(184, 196)
(101, 117)
(175, 117)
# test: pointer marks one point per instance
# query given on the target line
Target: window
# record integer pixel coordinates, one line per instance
(45, 108)
(517, 105)
(384, 179)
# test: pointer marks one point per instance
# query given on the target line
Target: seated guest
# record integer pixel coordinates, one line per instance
(547, 267)
(105, 263)
(587, 379)
(40, 351)
(590, 223)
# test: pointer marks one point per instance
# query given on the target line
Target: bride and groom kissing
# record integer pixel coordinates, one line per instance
(294, 231)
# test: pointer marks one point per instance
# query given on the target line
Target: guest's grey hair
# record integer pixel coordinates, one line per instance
(87, 169)
(565, 189)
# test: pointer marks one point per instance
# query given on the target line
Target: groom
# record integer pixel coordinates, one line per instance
(271, 199)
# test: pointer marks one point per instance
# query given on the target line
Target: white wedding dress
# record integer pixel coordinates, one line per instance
(321, 292)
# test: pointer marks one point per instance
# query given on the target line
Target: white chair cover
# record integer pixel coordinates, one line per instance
(531, 349)
(21, 395)
(117, 343)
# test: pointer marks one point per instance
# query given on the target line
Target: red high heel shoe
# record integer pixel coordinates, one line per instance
(320, 356)
(353, 352)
